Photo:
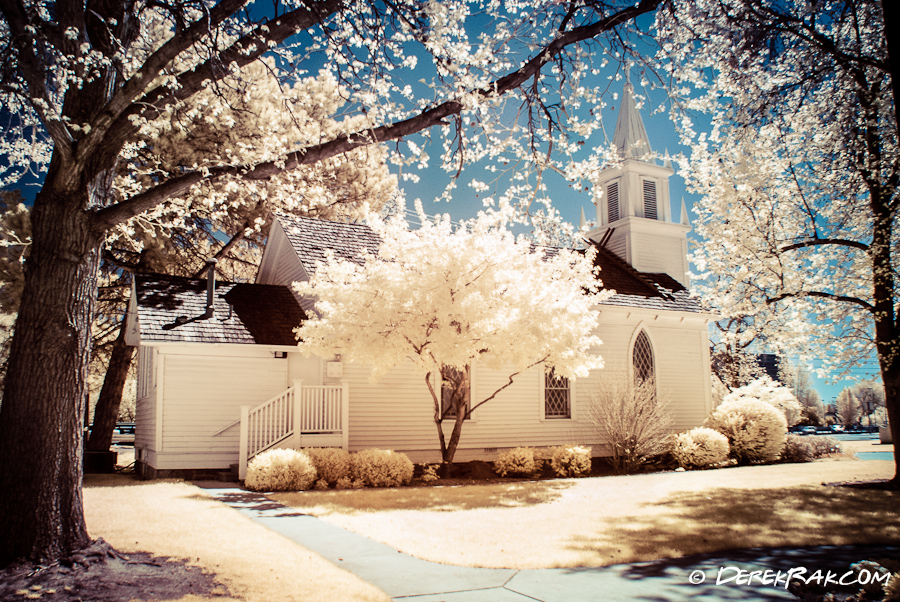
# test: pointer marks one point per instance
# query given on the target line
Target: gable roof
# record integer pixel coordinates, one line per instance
(171, 309)
(311, 238)
(642, 290)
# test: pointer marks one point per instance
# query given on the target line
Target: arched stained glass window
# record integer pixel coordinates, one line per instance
(642, 359)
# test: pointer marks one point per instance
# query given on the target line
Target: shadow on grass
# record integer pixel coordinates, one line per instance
(436, 499)
(729, 519)
(112, 480)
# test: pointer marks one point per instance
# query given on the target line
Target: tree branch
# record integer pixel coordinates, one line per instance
(34, 73)
(153, 66)
(120, 212)
(242, 52)
(815, 242)
(509, 382)
(822, 295)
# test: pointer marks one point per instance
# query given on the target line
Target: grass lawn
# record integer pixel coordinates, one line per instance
(551, 523)
(177, 520)
(609, 520)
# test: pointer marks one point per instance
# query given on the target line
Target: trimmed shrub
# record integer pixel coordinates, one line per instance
(380, 468)
(700, 447)
(332, 463)
(343, 483)
(797, 449)
(280, 470)
(571, 461)
(754, 428)
(429, 472)
(517, 461)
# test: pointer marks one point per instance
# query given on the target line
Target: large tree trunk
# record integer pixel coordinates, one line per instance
(106, 412)
(41, 514)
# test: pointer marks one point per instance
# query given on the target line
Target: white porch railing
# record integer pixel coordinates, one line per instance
(296, 411)
(320, 410)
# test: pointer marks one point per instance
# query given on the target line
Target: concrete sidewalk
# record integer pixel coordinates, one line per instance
(406, 578)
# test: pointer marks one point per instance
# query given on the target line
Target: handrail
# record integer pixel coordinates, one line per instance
(299, 410)
(233, 424)
(270, 422)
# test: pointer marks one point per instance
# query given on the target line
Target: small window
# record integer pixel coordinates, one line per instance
(612, 202)
(642, 359)
(556, 395)
(454, 386)
(650, 211)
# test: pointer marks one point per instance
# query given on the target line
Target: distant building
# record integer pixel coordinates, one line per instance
(771, 364)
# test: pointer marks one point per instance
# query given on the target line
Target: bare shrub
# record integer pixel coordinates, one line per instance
(632, 419)
(796, 450)
(380, 468)
(332, 463)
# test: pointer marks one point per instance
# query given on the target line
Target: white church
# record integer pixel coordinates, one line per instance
(220, 378)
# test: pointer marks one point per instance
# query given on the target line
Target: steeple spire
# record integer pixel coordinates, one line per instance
(630, 138)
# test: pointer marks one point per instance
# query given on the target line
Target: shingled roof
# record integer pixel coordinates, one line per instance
(311, 238)
(642, 290)
(171, 308)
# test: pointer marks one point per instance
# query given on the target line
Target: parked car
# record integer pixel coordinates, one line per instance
(123, 433)
(807, 430)
(837, 428)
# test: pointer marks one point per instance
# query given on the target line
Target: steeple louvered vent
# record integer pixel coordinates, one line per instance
(650, 211)
(612, 201)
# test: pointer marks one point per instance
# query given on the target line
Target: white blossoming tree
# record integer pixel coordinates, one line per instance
(445, 299)
(773, 393)
(799, 175)
(83, 84)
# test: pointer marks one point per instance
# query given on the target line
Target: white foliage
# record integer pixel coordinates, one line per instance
(773, 393)
(756, 430)
(801, 155)
(699, 447)
(440, 296)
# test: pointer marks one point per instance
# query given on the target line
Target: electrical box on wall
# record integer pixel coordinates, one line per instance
(334, 369)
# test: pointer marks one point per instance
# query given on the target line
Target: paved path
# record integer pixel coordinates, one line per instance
(409, 579)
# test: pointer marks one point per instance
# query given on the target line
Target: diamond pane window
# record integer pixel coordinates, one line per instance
(556, 395)
(642, 359)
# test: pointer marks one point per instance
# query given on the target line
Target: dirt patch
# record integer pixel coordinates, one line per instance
(100, 574)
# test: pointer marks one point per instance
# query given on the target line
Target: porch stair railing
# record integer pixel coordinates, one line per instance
(298, 410)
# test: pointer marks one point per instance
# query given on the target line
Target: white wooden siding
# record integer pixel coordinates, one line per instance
(145, 401)
(281, 265)
(659, 254)
(397, 412)
(203, 394)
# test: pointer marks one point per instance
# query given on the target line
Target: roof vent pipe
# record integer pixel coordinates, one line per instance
(210, 288)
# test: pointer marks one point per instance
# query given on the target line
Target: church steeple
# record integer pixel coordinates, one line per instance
(631, 138)
(634, 213)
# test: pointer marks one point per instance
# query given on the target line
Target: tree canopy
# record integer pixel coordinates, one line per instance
(798, 175)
